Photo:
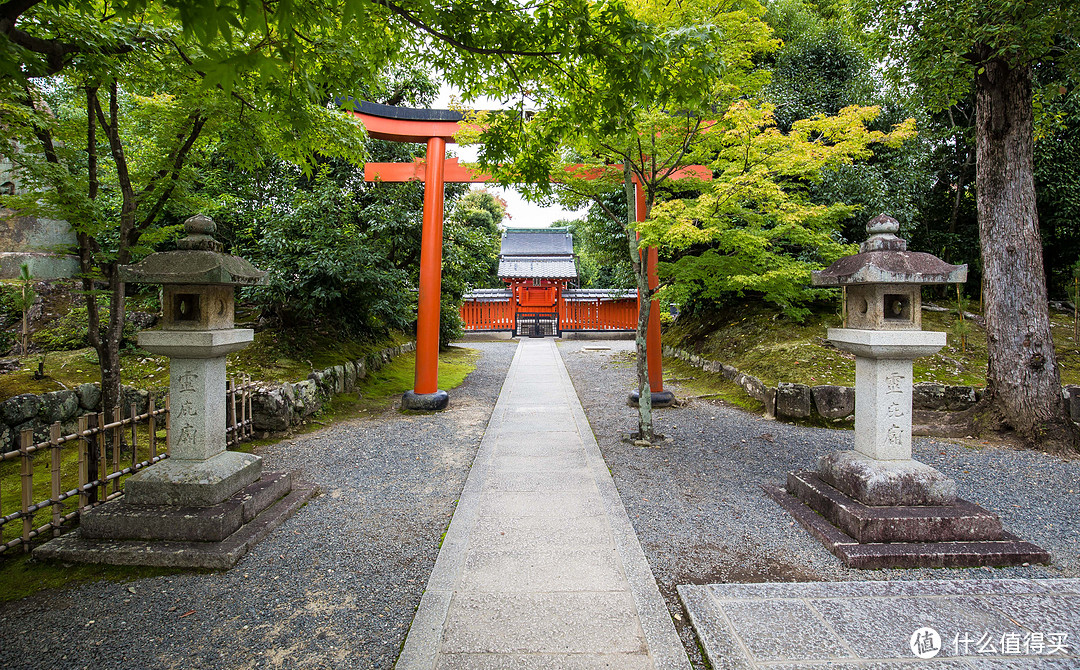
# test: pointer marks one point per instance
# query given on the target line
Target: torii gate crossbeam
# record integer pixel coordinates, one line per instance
(436, 128)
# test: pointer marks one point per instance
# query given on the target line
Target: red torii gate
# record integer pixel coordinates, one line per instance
(436, 128)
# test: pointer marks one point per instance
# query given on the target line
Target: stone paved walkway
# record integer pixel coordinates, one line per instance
(540, 567)
(999, 624)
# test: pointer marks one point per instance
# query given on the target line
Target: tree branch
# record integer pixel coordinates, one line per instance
(173, 176)
(444, 37)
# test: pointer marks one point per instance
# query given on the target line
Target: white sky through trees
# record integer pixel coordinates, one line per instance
(523, 214)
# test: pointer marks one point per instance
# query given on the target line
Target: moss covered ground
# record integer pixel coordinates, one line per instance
(761, 342)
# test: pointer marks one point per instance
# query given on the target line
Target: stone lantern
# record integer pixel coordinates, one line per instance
(875, 506)
(884, 330)
(197, 332)
(204, 506)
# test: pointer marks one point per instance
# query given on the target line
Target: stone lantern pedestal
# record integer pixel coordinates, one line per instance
(204, 506)
(874, 506)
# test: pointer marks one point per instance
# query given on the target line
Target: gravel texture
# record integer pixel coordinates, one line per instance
(336, 586)
(701, 516)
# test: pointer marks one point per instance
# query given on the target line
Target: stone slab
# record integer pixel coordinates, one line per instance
(869, 625)
(193, 483)
(544, 570)
(208, 555)
(543, 623)
(876, 482)
(119, 520)
(196, 344)
(961, 521)
(1010, 550)
(542, 533)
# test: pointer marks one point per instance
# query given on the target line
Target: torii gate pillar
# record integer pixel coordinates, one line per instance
(426, 393)
(653, 348)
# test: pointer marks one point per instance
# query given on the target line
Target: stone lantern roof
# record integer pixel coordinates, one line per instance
(884, 259)
(198, 260)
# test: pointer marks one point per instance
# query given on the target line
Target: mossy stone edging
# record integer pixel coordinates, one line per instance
(837, 403)
(276, 407)
(38, 412)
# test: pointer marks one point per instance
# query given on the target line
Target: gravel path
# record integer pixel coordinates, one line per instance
(701, 516)
(334, 587)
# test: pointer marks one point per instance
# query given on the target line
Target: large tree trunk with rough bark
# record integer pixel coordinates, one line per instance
(1023, 389)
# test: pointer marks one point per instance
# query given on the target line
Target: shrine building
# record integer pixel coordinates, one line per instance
(541, 296)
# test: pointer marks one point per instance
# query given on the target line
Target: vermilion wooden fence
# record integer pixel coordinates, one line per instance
(597, 314)
(489, 315)
(573, 315)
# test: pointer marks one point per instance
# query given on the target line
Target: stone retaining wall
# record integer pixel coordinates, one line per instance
(40, 411)
(836, 403)
(275, 407)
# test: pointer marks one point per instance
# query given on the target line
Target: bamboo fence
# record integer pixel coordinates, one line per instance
(103, 448)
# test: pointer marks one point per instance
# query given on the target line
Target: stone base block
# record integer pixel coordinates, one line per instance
(425, 401)
(878, 483)
(182, 483)
(659, 398)
(180, 553)
(962, 521)
(123, 521)
(1004, 551)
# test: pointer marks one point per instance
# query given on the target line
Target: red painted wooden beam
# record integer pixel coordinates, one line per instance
(407, 130)
(454, 172)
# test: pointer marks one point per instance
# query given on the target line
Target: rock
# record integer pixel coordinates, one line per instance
(959, 398)
(350, 376)
(752, 385)
(729, 372)
(41, 433)
(340, 378)
(941, 398)
(928, 395)
(141, 320)
(139, 397)
(318, 378)
(833, 402)
(792, 400)
(58, 406)
(271, 409)
(19, 409)
(361, 369)
(712, 366)
(89, 397)
(307, 397)
(288, 392)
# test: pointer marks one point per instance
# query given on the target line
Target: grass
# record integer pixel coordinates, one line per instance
(760, 342)
(20, 576)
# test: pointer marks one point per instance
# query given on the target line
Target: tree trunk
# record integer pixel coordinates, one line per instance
(109, 349)
(641, 275)
(1023, 387)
